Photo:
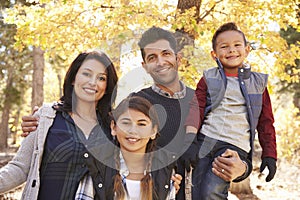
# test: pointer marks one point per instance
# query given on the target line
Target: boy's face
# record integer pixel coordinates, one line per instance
(231, 50)
(161, 62)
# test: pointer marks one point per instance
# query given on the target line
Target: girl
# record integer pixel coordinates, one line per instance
(138, 169)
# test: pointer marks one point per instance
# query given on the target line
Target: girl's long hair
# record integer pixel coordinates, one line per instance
(142, 105)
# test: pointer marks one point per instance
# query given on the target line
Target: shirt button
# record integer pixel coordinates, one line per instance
(242, 83)
(173, 156)
(166, 186)
(86, 155)
(100, 185)
(242, 70)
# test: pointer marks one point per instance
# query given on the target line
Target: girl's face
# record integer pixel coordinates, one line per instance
(90, 81)
(133, 130)
(231, 50)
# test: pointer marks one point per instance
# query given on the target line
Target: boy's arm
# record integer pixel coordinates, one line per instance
(197, 106)
(267, 137)
(193, 122)
(266, 129)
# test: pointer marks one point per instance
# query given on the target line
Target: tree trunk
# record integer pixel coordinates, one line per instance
(183, 38)
(187, 4)
(38, 77)
(4, 128)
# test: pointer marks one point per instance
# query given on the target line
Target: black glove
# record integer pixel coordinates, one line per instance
(271, 164)
(190, 157)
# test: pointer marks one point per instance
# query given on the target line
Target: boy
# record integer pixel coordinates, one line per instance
(233, 102)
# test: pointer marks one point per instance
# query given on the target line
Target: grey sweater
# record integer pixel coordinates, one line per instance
(24, 167)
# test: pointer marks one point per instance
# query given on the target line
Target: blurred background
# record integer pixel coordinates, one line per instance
(40, 38)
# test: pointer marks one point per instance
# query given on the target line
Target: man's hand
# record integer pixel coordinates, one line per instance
(29, 123)
(191, 156)
(176, 178)
(271, 164)
(229, 166)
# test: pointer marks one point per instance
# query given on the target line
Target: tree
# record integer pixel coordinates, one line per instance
(37, 77)
(292, 36)
(13, 71)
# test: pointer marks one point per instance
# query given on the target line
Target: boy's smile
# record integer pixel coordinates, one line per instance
(231, 50)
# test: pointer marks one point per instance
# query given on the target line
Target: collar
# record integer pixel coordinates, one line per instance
(177, 95)
(245, 71)
(124, 171)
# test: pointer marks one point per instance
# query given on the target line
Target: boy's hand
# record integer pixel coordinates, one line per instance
(191, 156)
(29, 123)
(271, 164)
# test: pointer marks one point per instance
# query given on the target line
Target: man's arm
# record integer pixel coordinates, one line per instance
(230, 167)
(29, 122)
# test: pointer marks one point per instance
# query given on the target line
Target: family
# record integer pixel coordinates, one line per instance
(145, 148)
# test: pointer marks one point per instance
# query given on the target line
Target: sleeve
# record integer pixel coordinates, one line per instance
(16, 171)
(172, 192)
(249, 168)
(266, 129)
(197, 105)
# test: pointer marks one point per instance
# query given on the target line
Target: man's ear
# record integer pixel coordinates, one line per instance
(213, 55)
(179, 56)
(144, 65)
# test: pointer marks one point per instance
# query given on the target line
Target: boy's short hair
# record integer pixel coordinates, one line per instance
(154, 34)
(230, 26)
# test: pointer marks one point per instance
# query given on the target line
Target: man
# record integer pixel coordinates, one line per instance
(171, 97)
(161, 61)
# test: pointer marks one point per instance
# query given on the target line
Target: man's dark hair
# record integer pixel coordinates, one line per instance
(230, 26)
(153, 35)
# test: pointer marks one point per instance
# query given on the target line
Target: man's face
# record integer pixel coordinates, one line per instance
(161, 62)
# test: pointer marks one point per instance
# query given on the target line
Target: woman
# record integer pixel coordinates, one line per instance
(50, 158)
(139, 171)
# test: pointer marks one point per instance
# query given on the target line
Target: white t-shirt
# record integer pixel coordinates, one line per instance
(133, 188)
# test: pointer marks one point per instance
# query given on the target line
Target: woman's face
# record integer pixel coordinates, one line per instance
(133, 130)
(90, 82)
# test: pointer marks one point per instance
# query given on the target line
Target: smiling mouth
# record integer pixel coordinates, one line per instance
(232, 57)
(162, 70)
(132, 139)
(88, 90)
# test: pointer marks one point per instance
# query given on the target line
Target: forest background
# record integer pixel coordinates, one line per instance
(40, 38)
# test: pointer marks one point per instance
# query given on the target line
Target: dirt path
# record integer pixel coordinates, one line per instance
(284, 186)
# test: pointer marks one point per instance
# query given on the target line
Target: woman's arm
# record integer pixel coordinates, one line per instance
(16, 171)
